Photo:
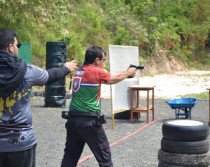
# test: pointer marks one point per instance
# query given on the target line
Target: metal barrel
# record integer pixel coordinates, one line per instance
(56, 53)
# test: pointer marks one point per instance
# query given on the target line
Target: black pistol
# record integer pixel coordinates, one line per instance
(137, 67)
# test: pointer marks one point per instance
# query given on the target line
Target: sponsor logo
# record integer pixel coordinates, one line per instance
(80, 73)
(76, 83)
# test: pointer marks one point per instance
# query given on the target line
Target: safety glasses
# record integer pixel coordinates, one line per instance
(19, 45)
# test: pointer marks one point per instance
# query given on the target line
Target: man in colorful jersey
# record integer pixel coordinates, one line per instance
(83, 125)
(17, 139)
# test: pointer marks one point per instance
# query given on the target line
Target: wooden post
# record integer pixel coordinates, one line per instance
(209, 105)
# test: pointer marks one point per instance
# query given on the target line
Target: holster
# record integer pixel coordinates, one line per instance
(101, 119)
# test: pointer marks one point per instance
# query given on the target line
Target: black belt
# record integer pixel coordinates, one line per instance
(82, 113)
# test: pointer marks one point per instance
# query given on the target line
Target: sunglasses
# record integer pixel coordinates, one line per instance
(103, 59)
(18, 45)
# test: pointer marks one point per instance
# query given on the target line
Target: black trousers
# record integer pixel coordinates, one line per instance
(24, 158)
(96, 139)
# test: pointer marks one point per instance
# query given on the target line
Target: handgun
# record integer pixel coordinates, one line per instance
(137, 67)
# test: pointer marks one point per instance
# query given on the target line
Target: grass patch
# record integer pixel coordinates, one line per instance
(206, 75)
(201, 96)
(63, 130)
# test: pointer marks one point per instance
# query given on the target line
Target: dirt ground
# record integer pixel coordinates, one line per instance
(172, 85)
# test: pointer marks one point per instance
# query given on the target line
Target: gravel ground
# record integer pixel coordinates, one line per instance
(139, 150)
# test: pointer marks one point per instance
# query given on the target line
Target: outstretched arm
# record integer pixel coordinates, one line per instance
(56, 74)
(115, 78)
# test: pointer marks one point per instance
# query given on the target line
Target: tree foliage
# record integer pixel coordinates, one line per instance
(181, 27)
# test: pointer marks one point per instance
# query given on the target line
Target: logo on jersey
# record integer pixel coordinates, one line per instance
(80, 73)
(76, 83)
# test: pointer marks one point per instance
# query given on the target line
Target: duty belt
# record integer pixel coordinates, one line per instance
(82, 113)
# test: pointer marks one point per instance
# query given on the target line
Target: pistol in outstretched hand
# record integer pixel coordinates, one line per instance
(137, 67)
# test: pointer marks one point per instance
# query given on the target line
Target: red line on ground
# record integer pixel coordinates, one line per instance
(118, 141)
(85, 158)
(132, 133)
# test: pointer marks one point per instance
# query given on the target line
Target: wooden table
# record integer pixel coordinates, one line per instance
(138, 109)
(209, 105)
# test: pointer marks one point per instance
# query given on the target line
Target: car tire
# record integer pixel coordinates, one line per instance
(160, 164)
(185, 130)
(186, 160)
(185, 147)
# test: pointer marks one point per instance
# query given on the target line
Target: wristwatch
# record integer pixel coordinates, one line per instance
(68, 68)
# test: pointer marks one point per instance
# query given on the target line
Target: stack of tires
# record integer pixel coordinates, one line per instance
(184, 144)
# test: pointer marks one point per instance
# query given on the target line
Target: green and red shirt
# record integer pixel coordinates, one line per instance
(87, 88)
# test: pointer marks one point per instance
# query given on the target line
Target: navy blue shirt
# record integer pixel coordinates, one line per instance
(16, 129)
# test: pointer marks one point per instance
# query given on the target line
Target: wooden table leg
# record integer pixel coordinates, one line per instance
(131, 105)
(153, 104)
(209, 106)
(147, 106)
(138, 103)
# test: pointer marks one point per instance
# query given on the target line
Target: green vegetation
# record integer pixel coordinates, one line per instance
(63, 130)
(180, 27)
(201, 96)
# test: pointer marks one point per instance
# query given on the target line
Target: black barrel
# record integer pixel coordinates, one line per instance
(55, 57)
